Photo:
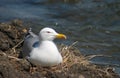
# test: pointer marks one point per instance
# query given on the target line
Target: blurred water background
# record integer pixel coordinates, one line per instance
(95, 24)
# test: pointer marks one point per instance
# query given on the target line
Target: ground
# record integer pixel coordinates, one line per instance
(12, 65)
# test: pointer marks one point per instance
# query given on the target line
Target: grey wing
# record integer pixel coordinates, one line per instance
(29, 40)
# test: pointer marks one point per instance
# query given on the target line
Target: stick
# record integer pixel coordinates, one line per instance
(73, 44)
(17, 44)
(12, 57)
(92, 56)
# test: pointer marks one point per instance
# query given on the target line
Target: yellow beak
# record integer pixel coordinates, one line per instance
(61, 36)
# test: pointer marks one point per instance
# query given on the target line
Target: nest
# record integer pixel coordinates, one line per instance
(71, 56)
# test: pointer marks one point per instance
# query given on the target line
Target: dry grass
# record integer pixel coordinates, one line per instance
(71, 56)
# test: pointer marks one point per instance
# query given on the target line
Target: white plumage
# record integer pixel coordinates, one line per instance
(43, 52)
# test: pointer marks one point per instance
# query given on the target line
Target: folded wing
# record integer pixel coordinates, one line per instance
(31, 40)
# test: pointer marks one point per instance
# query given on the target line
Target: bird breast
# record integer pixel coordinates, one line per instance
(46, 54)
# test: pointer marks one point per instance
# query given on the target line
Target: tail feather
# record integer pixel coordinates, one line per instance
(30, 34)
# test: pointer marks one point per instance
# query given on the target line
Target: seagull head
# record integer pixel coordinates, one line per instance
(50, 34)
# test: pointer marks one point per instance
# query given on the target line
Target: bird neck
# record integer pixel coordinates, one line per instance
(48, 44)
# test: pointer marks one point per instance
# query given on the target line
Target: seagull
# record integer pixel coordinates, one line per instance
(41, 50)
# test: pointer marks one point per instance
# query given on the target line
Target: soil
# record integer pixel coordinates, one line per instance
(12, 66)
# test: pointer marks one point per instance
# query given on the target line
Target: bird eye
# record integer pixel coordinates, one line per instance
(48, 31)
